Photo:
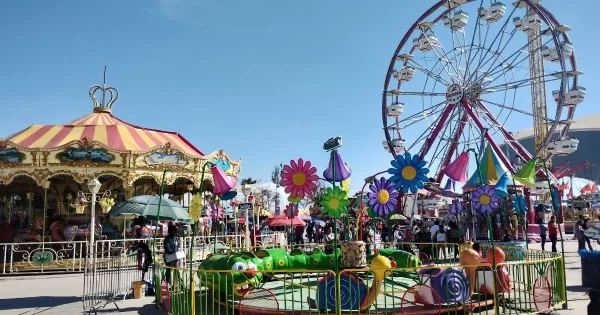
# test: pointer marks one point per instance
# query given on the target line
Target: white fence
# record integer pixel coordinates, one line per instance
(37, 257)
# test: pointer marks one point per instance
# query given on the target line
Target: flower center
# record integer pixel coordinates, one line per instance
(299, 179)
(383, 196)
(485, 200)
(333, 203)
(409, 172)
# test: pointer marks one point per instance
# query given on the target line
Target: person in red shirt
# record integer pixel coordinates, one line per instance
(553, 232)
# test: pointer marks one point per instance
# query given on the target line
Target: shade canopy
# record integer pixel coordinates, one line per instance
(147, 206)
(282, 220)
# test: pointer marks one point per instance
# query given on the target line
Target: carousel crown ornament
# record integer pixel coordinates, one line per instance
(457, 170)
(105, 104)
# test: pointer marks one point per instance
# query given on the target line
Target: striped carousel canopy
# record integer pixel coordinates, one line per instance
(104, 128)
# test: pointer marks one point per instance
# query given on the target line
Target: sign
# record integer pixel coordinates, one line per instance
(244, 208)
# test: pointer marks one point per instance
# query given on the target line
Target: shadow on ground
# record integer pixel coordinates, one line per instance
(36, 302)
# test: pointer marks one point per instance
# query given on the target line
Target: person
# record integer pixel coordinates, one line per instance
(398, 237)
(329, 241)
(585, 227)
(171, 244)
(425, 238)
(369, 239)
(579, 233)
(385, 234)
(477, 248)
(453, 236)
(434, 230)
(299, 235)
(515, 227)
(553, 232)
(507, 237)
(543, 233)
(310, 232)
(440, 238)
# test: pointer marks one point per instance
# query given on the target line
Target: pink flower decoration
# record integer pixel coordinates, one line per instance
(291, 211)
(299, 179)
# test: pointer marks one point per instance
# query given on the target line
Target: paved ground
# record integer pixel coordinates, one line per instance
(61, 294)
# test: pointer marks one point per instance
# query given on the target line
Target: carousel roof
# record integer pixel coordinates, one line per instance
(104, 128)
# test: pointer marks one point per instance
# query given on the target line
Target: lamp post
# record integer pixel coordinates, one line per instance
(94, 188)
(46, 186)
(246, 189)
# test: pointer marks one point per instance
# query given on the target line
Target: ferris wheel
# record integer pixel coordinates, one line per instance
(469, 71)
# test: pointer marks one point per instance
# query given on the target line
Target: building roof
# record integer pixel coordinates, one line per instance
(105, 129)
(585, 123)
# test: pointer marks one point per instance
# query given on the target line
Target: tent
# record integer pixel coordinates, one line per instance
(491, 170)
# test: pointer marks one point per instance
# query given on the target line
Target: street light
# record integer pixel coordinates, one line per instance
(46, 186)
(246, 189)
(94, 187)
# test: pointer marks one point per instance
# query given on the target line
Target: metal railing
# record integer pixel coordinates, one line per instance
(38, 257)
(517, 286)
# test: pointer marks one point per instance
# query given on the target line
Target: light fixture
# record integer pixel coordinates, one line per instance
(246, 189)
(94, 186)
(69, 197)
(190, 187)
(46, 184)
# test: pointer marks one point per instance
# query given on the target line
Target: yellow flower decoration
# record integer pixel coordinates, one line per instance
(196, 207)
(346, 185)
(335, 202)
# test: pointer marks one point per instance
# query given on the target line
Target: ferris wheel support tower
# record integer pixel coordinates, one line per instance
(538, 84)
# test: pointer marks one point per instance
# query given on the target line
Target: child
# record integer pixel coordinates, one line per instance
(507, 237)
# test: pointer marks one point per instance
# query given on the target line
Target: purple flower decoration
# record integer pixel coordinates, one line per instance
(216, 212)
(485, 199)
(382, 198)
(456, 207)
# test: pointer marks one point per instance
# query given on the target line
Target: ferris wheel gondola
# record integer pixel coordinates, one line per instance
(471, 70)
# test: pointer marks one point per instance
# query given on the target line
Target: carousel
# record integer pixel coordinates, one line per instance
(44, 170)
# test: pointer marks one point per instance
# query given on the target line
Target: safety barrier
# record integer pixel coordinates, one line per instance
(515, 287)
(107, 279)
(38, 257)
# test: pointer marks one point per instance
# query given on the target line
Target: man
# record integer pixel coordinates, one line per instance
(553, 232)
(543, 233)
(579, 233)
(585, 226)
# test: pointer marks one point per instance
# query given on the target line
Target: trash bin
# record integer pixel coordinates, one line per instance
(590, 269)
(138, 289)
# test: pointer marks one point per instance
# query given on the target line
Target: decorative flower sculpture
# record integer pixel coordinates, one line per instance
(382, 198)
(291, 211)
(335, 202)
(456, 207)
(485, 199)
(216, 212)
(408, 172)
(520, 205)
(196, 207)
(299, 178)
(555, 201)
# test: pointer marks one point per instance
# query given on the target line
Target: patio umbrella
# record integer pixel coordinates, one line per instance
(319, 223)
(398, 216)
(147, 206)
(284, 221)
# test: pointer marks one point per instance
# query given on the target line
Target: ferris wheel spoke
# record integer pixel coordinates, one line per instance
(425, 117)
(422, 93)
(493, 70)
(457, 48)
(519, 84)
(443, 57)
(511, 140)
(453, 144)
(499, 35)
(427, 72)
(477, 24)
(431, 109)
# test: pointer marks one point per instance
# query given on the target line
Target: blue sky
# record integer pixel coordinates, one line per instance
(267, 81)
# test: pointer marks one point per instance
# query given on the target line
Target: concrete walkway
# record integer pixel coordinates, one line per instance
(61, 294)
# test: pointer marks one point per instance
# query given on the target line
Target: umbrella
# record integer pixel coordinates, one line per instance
(147, 206)
(398, 216)
(282, 220)
(319, 223)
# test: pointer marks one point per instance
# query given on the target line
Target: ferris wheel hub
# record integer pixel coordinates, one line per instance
(454, 94)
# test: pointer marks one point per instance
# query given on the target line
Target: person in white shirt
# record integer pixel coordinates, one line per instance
(329, 241)
(398, 237)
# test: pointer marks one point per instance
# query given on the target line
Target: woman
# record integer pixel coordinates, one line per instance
(329, 241)
(398, 237)
(553, 232)
(171, 244)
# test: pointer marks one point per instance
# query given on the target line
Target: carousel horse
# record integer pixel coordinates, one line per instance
(33, 234)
